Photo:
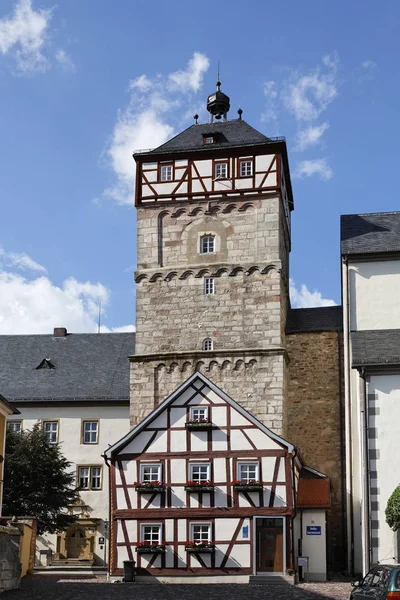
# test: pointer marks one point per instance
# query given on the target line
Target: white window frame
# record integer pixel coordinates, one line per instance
(80, 468)
(200, 465)
(252, 463)
(221, 166)
(207, 345)
(166, 173)
(154, 466)
(51, 431)
(90, 432)
(208, 139)
(209, 286)
(97, 477)
(201, 524)
(205, 248)
(195, 408)
(142, 533)
(11, 425)
(89, 477)
(244, 166)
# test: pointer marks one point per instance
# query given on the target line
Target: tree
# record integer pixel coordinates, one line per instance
(38, 481)
(392, 511)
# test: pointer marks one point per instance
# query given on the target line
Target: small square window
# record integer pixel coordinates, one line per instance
(246, 168)
(199, 473)
(50, 429)
(208, 139)
(207, 244)
(248, 471)
(150, 473)
(200, 532)
(198, 413)
(90, 432)
(166, 173)
(221, 170)
(15, 426)
(208, 285)
(150, 533)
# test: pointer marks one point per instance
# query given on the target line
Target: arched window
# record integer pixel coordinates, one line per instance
(207, 344)
(207, 244)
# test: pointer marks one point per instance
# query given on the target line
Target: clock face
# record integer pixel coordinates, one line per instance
(212, 97)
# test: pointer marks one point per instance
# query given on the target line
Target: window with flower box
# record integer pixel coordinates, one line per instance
(199, 478)
(150, 539)
(200, 538)
(198, 418)
(248, 474)
(150, 479)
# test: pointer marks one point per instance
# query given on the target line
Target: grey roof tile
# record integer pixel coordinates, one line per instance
(86, 366)
(370, 233)
(375, 347)
(323, 318)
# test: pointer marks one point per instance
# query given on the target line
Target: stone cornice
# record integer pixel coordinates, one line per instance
(209, 354)
(213, 270)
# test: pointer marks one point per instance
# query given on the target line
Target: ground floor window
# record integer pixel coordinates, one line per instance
(151, 533)
(200, 532)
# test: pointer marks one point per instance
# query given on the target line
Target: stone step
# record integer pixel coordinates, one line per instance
(270, 580)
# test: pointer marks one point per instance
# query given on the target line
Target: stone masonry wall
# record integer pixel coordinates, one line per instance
(10, 566)
(313, 420)
(254, 380)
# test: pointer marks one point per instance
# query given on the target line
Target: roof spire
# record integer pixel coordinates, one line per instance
(218, 103)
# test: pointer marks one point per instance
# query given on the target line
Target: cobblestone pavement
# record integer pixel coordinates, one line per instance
(59, 588)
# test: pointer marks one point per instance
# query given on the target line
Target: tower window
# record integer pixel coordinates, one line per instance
(246, 168)
(207, 344)
(207, 244)
(221, 170)
(208, 285)
(166, 173)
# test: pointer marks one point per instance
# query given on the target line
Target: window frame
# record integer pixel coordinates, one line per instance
(209, 286)
(12, 422)
(247, 161)
(90, 488)
(217, 163)
(193, 408)
(193, 524)
(57, 421)
(205, 342)
(141, 471)
(160, 531)
(207, 236)
(200, 465)
(208, 137)
(83, 431)
(160, 168)
(248, 463)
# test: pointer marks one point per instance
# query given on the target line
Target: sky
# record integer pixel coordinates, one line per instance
(84, 83)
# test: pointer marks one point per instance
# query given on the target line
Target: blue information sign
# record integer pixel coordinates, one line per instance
(245, 531)
(313, 530)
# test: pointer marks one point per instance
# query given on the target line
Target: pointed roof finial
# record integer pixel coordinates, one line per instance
(240, 112)
(195, 117)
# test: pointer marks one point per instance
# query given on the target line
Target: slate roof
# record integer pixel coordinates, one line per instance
(229, 133)
(375, 347)
(370, 233)
(87, 366)
(323, 318)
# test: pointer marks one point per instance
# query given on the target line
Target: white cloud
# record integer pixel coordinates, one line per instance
(23, 36)
(319, 166)
(310, 136)
(303, 298)
(368, 65)
(271, 95)
(65, 60)
(146, 121)
(191, 77)
(36, 305)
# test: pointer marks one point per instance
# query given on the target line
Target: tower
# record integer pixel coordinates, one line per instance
(213, 241)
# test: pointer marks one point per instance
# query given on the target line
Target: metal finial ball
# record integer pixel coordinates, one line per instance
(195, 117)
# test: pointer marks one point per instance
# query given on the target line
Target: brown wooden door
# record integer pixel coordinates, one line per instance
(269, 545)
(77, 542)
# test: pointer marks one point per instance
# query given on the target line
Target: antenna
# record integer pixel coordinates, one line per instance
(98, 326)
(218, 72)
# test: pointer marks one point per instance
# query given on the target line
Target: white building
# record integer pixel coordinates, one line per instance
(370, 248)
(77, 387)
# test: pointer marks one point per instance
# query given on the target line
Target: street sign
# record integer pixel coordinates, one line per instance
(313, 530)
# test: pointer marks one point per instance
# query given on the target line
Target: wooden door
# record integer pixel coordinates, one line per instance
(77, 544)
(269, 545)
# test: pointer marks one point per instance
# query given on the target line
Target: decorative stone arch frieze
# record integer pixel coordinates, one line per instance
(271, 270)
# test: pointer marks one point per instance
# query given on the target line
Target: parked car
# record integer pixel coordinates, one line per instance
(380, 583)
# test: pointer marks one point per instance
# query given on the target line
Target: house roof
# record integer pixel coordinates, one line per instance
(7, 408)
(375, 347)
(118, 446)
(323, 318)
(313, 493)
(370, 233)
(228, 133)
(75, 367)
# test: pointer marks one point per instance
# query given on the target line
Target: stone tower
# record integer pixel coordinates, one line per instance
(213, 241)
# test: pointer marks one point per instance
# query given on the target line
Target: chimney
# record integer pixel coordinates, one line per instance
(60, 331)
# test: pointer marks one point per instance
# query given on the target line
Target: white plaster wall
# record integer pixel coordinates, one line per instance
(314, 546)
(374, 295)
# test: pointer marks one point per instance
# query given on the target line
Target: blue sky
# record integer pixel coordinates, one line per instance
(83, 84)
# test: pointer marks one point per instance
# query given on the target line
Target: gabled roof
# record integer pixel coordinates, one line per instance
(227, 133)
(313, 493)
(370, 233)
(118, 446)
(322, 318)
(375, 347)
(86, 366)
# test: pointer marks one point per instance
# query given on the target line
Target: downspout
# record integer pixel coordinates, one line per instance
(294, 503)
(364, 472)
(342, 441)
(109, 514)
(347, 402)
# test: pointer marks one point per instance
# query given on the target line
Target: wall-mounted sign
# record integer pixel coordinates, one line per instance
(302, 561)
(101, 541)
(313, 530)
(245, 531)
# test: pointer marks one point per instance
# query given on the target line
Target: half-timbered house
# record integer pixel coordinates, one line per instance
(202, 488)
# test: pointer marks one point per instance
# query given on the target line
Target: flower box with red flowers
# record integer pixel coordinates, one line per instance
(198, 424)
(250, 485)
(199, 486)
(149, 487)
(197, 547)
(149, 548)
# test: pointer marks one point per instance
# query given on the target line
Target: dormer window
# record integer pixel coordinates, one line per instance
(208, 139)
(207, 244)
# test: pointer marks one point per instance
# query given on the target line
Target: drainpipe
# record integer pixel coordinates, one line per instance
(364, 472)
(108, 564)
(348, 423)
(294, 503)
(342, 440)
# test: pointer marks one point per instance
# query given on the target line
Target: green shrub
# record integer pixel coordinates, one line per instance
(392, 511)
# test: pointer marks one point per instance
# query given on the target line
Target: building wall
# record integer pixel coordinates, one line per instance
(312, 420)
(374, 294)
(314, 546)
